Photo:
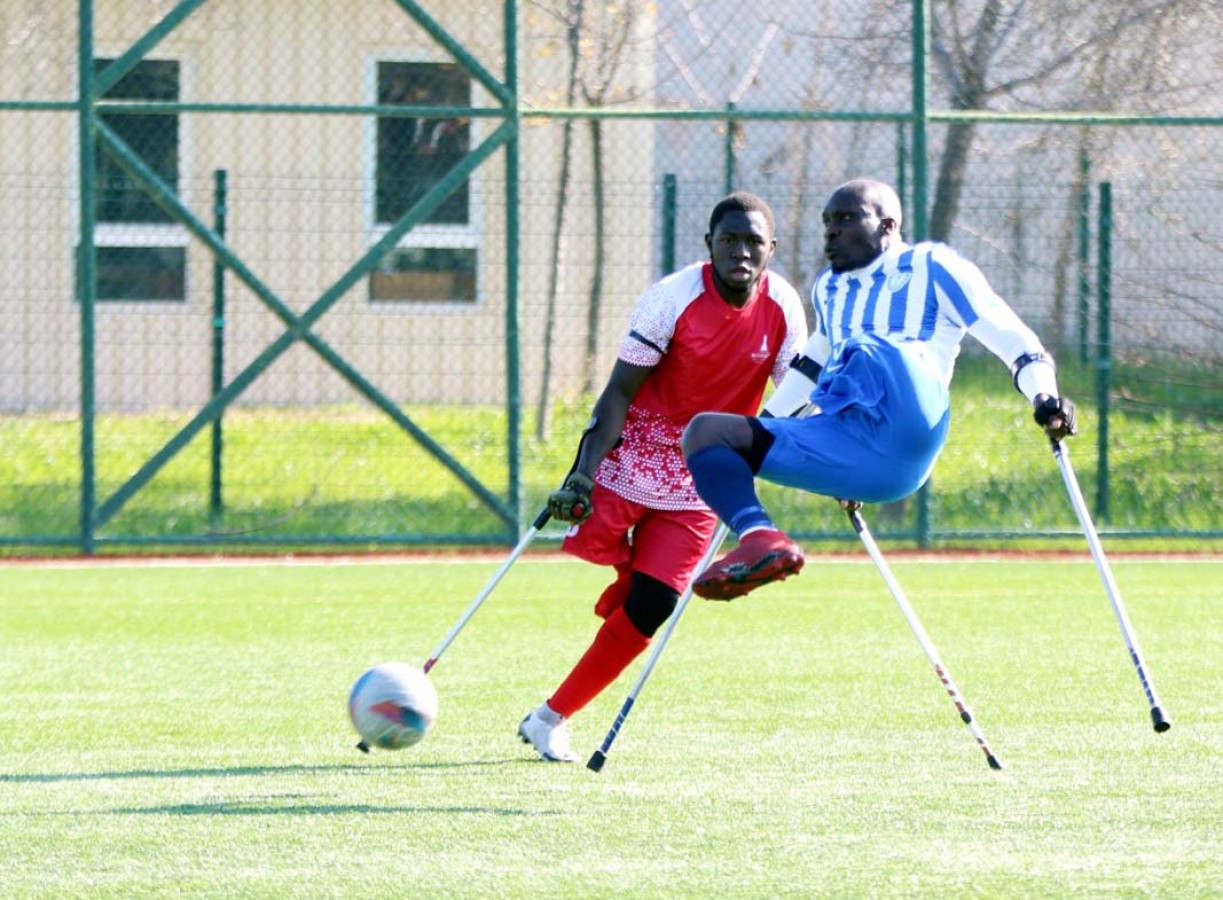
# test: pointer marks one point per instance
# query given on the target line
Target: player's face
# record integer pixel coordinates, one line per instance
(854, 233)
(740, 248)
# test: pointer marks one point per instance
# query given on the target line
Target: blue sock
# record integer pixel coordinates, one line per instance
(725, 481)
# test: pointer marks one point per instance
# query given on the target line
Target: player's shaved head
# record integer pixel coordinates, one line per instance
(861, 220)
(882, 197)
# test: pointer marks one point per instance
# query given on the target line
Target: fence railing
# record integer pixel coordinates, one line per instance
(301, 304)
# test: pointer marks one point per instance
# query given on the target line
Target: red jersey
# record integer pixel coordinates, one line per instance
(707, 356)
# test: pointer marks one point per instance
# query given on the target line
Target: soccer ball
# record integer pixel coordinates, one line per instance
(392, 706)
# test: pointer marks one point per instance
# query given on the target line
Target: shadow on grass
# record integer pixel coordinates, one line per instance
(246, 771)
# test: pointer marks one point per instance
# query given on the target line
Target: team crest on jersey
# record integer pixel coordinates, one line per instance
(763, 353)
(897, 280)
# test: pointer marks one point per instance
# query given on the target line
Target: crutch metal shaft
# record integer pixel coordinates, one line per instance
(1158, 719)
(868, 540)
(600, 756)
(525, 541)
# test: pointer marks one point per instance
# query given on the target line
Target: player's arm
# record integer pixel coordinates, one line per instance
(794, 392)
(995, 324)
(1032, 371)
(609, 413)
(572, 502)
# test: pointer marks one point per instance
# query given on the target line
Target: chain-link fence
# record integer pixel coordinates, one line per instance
(300, 273)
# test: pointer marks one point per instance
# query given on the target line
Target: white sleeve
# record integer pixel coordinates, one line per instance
(1008, 338)
(652, 322)
(995, 324)
(795, 389)
(1037, 378)
(796, 325)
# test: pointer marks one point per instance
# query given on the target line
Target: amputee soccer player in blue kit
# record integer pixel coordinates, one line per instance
(863, 414)
(708, 337)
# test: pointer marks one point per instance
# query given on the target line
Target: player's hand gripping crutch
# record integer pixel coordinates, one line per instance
(1160, 722)
(600, 756)
(855, 517)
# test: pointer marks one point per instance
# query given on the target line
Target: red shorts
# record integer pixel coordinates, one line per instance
(666, 544)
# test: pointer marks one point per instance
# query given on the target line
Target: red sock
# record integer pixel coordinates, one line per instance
(617, 643)
(616, 593)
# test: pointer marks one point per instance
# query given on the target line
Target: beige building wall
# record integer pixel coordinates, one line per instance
(299, 214)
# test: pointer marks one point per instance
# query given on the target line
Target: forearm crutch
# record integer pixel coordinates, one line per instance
(600, 756)
(540, 521)
(1158, 719)
(855, 518)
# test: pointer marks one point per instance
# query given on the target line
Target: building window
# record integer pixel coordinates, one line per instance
(426, 273)
(145, 273)
(141, 251)
(438, 261)
(414, 152)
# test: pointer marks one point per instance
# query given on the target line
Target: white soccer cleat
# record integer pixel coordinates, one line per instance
(551, 739)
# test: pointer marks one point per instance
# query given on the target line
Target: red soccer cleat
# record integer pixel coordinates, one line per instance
(761, 557)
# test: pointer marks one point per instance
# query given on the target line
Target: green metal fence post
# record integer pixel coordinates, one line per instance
(918, 215)
(728, 177)
(513, 388)
(1104, 355)
(902, 159)
(1084, 296)
(669, 198)
(87, 264)
(220, 190)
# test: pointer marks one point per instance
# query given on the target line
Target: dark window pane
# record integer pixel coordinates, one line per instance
(149, 79)
(142, 273)
(415, 153)
(154, 138)
(426, 273)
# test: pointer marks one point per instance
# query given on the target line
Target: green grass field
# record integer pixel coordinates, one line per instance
(181, 731)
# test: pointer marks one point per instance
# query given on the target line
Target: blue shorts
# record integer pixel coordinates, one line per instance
(882, 421)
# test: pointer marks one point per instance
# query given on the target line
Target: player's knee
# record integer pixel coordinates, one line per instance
(716, 429)
(696, 435)
(759, 446)
(650, 603)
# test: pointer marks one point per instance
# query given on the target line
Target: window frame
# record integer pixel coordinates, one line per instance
(469, 236)
(171, 235)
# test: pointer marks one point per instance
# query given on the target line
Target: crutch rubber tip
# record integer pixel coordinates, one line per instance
(363, 747)
(993, 762)
(1157, 717)
(596, 761)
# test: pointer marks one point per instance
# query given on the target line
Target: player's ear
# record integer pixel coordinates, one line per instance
(709, 242)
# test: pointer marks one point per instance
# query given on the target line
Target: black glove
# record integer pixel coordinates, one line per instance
(1055, 415)
(572, 502)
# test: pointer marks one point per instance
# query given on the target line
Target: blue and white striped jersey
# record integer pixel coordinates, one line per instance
(925, 292)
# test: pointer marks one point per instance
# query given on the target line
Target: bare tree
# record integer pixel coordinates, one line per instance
(600, 74)
(573, 14)
(996, 49)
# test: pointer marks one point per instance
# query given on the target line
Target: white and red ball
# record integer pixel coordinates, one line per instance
(393, 706)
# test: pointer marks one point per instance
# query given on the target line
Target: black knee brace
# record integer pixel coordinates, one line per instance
(649, 603)
(762, 442)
